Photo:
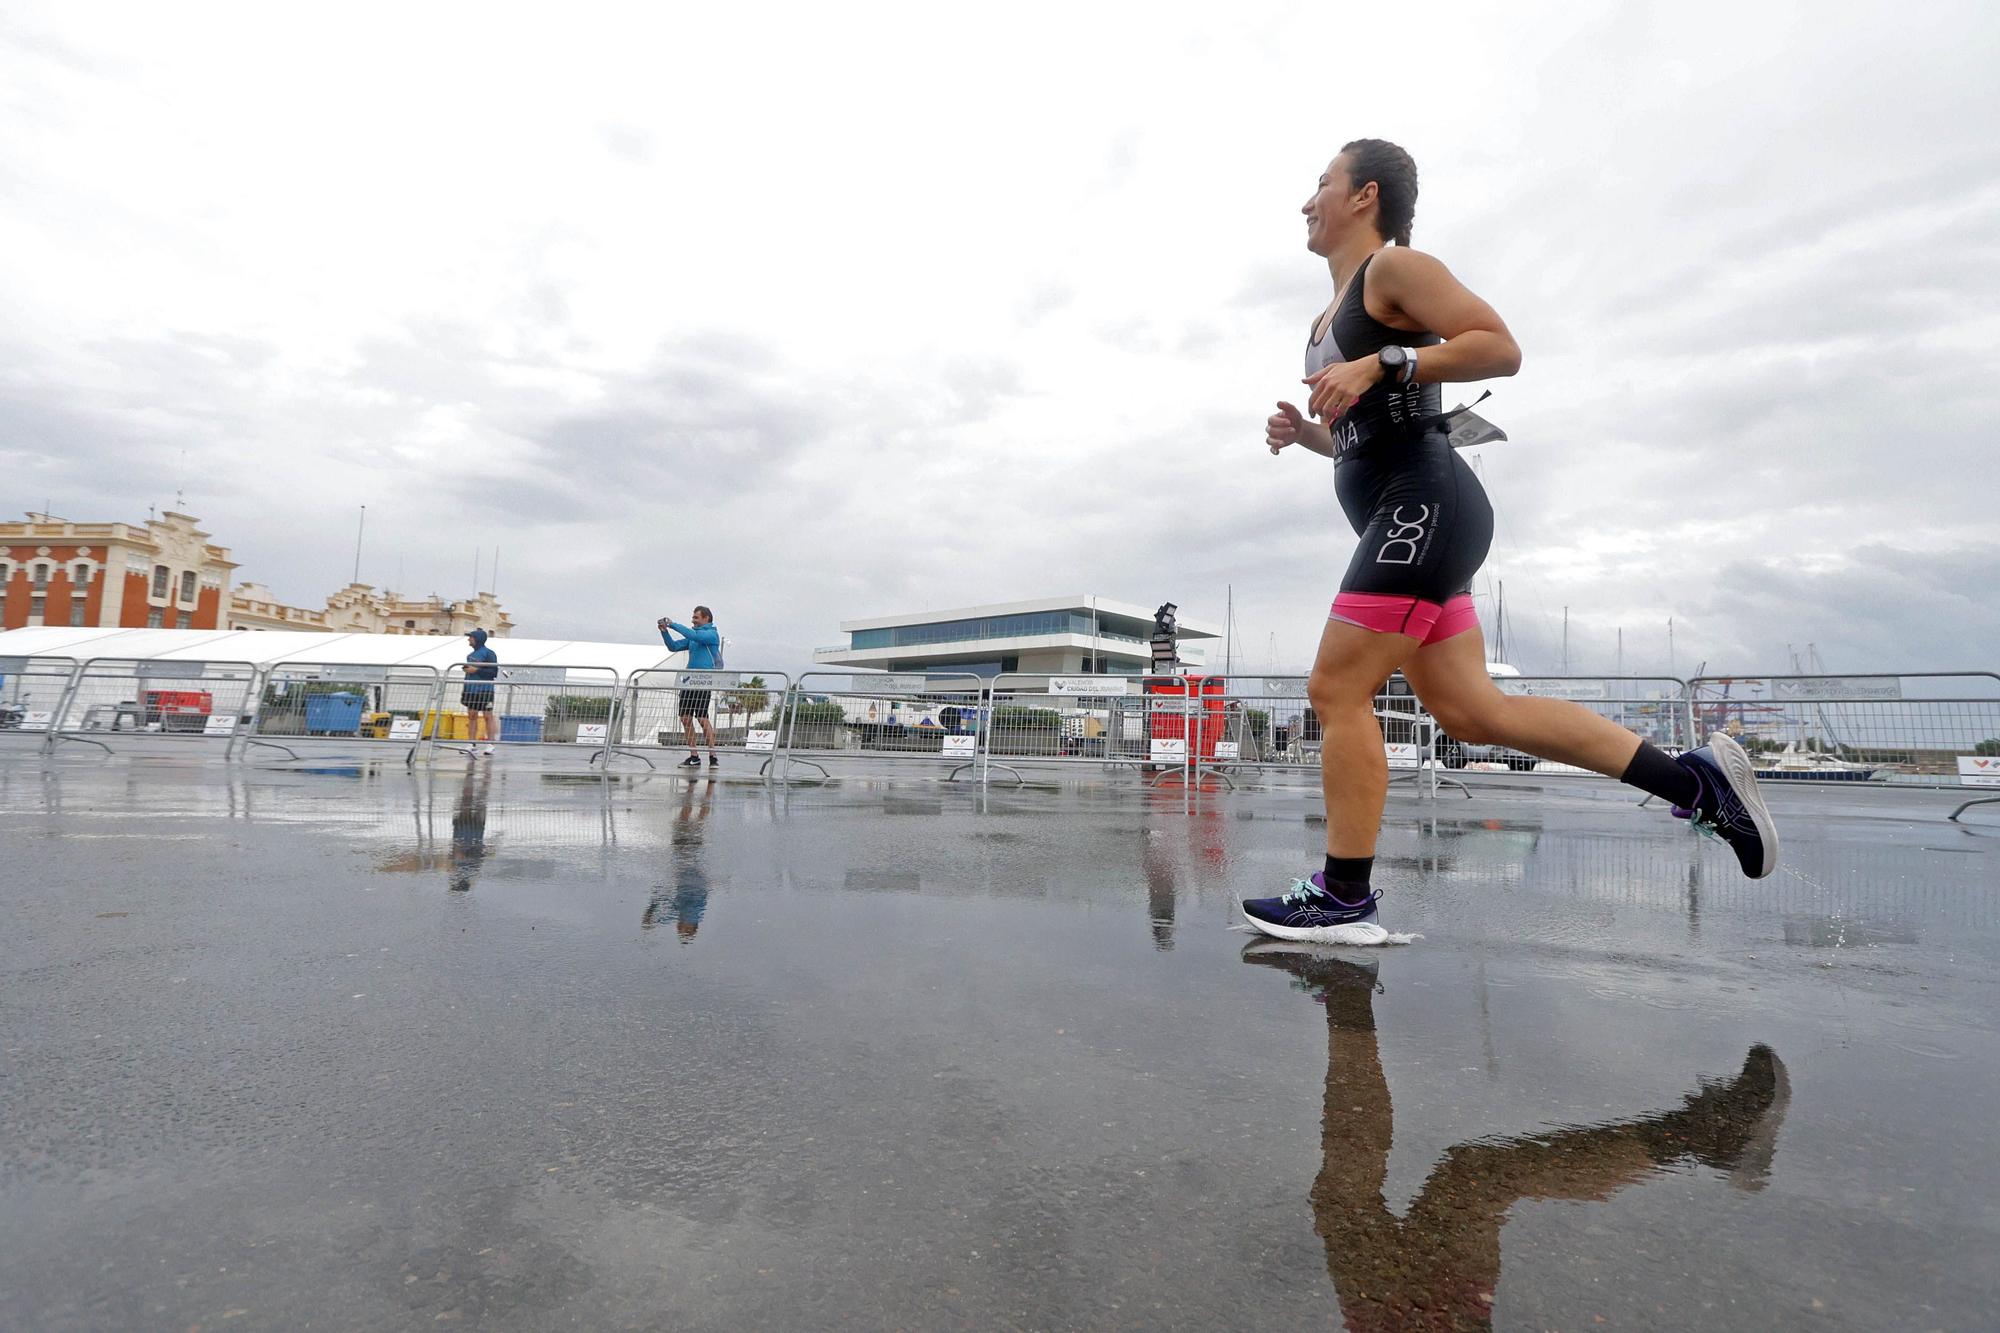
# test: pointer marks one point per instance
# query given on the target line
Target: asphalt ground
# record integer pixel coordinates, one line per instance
(340, 1046)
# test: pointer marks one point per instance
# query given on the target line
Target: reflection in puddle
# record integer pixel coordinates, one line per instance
(684, 902)
(1438, 1266)
(468, 827)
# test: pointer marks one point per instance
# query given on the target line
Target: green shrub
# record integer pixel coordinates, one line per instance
(578, 708)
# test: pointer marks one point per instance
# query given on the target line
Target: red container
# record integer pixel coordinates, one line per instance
(178, 710)
(1210, 718)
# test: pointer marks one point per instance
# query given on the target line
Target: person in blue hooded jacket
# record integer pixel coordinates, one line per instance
(482, 667)
(702, 642)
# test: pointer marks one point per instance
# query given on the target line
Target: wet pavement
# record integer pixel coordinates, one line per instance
(345, 1047)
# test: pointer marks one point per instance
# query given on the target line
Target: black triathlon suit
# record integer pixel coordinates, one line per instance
(1422, 516)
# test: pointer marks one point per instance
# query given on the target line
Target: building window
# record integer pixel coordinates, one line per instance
(187, 585)
(76, 613)
(37, 605)
(159, 580)
(154, 618)
(81, 576)
(41, 577)
(181, 621)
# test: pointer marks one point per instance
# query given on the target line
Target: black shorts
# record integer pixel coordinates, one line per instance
(694, 703)
(477, 698)
(1423, 518)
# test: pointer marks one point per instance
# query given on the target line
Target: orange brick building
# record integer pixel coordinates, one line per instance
(164, 575)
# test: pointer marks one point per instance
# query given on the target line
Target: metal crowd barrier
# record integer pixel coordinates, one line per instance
(32, 691)
(1927, 729)
(1267, 726)
(531, 706)
(1151, 725)
(1652, 707)
(745, 708)
(932, 717)
(119, 701)
(320, 705)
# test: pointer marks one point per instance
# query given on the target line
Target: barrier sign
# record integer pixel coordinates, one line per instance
(534, 675)
(709, 680)
(966, 746)
(1170, 749)
(406, 729)
(1553, 689)
(1229, 749)
(1973, 770)
(35, 721)
(1839, 687)
(1098, 685)
(157, 670)
(1402, 754)
(892, 684)
(360, 675)
(1286, 687)
(219, 725)
(592, 733)
(13, 666)
(760, 740)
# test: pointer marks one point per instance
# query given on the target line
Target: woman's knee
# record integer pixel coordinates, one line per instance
(1334, 690)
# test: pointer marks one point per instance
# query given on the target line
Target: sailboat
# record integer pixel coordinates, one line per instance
(1799, 765)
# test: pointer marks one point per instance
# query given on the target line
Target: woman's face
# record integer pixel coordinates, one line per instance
(1334, 209)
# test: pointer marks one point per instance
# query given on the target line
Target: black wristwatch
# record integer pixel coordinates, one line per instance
(1399, 364)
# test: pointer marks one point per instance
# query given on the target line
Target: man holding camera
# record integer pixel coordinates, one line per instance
(702, 642)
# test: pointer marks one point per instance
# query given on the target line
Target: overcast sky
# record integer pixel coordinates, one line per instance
(827, 312)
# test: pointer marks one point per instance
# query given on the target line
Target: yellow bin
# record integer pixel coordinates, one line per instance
(444, 726)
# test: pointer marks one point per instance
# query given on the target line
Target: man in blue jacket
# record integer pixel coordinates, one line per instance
(702, 642)
(482, 666)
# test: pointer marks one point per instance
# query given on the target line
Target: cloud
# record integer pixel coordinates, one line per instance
(897, 334)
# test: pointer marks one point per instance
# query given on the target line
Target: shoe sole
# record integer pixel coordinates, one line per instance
(1742, 776)
(1352, 932)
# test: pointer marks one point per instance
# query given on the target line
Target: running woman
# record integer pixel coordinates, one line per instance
(1399, 325)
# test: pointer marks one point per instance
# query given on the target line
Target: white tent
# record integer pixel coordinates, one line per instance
(268, 647)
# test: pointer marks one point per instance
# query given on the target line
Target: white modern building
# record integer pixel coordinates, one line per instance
(1057, 635)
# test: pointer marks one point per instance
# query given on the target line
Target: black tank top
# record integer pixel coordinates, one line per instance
(1387, 411)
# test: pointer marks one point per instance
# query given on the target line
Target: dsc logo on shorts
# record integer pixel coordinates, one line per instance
(1406, 538)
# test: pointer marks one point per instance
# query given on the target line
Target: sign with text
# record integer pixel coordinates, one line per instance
(406, 729)
(361, 675)
(35, 721)
(155, 670)
(1974, 770)
(219, 725)
(1284, 687)
(1402, 754)
(898, 683)
(1553, 689)
(1229, 749)
(710, 680)
(534, 675)
(965, 747)
(592, 733)
(13, 666)
(760, 740)
(1838, 687)
(1087, 685)
(1169, 749)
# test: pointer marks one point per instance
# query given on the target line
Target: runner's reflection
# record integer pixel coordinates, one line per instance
(684, 901)
(468, 828)
(1439, 1266)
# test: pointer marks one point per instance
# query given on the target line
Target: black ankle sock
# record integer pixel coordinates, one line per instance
(1347, 877)
(1652, 771)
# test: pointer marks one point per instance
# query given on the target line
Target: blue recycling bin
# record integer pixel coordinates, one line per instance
(520, 727)
(333, 714)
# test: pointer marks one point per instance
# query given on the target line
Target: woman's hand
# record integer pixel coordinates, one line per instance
(1339, 386)
(1288, 426)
